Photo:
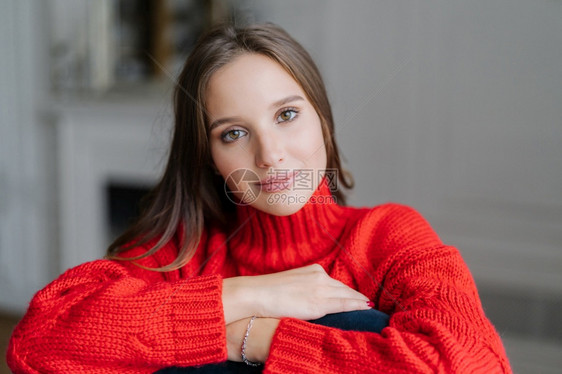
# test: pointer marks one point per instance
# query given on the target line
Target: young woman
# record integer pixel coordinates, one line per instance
(247, 252)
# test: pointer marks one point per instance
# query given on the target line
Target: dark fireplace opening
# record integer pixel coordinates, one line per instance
(123, 206)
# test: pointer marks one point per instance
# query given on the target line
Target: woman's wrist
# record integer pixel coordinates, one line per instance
(245, 342)
(259, 339)
(237, 299)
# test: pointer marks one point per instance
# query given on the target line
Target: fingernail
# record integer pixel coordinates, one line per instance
(370, 304)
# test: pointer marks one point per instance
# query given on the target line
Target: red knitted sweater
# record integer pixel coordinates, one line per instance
(114, 317)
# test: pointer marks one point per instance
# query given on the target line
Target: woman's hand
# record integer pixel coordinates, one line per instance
(305, 293)
(259, 339)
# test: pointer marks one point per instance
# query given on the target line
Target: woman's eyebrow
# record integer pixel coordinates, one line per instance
(219, 122)
(288, 99)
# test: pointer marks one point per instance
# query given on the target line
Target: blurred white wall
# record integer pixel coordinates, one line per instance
(453, 107)
(28, 215)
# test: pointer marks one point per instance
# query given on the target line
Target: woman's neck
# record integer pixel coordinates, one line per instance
(261, 242)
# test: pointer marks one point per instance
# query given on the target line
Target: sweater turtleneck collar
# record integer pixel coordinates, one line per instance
(265, 243)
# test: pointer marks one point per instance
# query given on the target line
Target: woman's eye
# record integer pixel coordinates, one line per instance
(232, 135)
(287, 115)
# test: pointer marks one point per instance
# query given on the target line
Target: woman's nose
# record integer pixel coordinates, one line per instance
(269, 152)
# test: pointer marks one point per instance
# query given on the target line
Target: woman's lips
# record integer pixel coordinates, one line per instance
(272, 184)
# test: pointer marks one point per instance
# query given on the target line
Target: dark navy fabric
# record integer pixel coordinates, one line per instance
(361, 320)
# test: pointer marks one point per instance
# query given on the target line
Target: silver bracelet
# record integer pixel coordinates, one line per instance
(243, 352)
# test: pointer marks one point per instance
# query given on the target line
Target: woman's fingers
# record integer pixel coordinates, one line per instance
(305, 293)
(336, 291)
(353, 293)
(347, 305)
(341, 299)
(309, 293)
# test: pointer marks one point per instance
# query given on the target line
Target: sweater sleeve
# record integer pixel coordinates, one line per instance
(436, 320)
(107, 316)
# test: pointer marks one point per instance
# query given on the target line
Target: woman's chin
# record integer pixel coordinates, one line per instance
(282, 203)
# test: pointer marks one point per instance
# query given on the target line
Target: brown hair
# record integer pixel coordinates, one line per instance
(190, 194)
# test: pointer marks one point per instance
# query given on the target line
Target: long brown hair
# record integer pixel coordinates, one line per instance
(190, 194)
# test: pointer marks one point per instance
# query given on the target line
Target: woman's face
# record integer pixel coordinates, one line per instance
(265, 136)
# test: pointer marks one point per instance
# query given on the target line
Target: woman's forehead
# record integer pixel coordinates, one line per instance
(250, 77)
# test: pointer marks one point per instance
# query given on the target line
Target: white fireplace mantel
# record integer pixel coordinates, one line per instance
(98, 143)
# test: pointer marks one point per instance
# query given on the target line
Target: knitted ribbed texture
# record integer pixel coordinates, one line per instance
(114, 317)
